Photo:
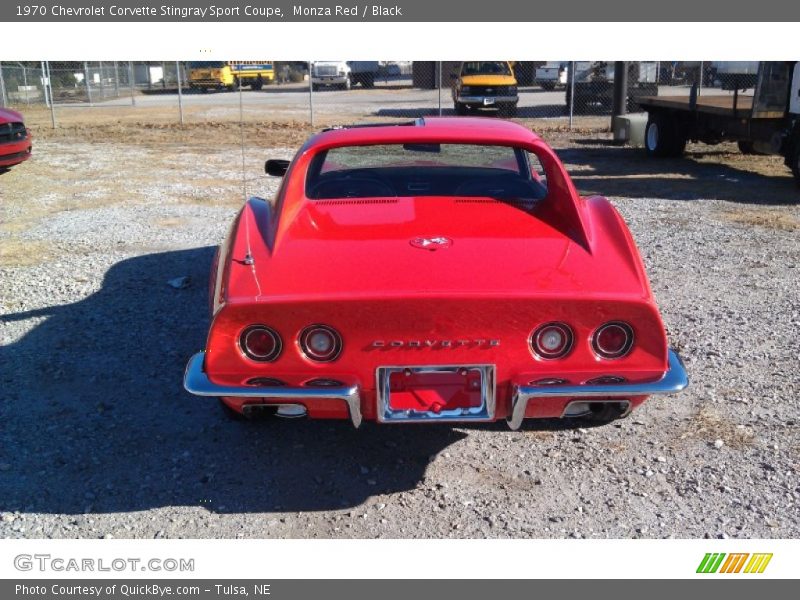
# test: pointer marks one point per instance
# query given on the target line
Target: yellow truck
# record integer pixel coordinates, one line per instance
(485, 84)
(217, 75)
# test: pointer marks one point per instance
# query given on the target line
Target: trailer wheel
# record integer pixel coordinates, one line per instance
(662, 138)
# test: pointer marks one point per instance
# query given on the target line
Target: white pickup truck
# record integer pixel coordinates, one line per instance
(552, 74)
(343, 74)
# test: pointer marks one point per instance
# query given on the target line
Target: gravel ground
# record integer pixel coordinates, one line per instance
(98, 438)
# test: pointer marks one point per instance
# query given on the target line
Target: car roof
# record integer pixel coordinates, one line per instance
(478, 130)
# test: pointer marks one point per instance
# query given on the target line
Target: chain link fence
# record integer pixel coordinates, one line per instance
(560, 93)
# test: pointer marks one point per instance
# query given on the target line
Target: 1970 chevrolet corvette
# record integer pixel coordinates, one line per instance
(440, 270)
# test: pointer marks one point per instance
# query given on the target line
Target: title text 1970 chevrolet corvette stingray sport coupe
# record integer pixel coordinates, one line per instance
(440, 270)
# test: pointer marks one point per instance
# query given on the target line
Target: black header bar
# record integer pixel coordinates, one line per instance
(403, 11)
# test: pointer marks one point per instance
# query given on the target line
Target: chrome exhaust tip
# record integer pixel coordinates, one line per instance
(577, 409)
(585, 408)
(291, 411)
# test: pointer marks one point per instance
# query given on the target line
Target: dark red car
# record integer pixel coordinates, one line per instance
(441, 270)
(15, 139)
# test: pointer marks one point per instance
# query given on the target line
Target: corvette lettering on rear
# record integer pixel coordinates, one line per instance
(434, 343)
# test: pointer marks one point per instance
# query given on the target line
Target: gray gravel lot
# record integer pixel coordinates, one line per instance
(98, 439)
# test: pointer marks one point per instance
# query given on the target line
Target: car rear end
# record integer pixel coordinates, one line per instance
(446, 358)
(470, 304)
(15, 139)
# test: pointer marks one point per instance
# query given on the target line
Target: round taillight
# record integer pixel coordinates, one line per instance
(551, 340)
(321, 343)
(261, 343)
(613, 340)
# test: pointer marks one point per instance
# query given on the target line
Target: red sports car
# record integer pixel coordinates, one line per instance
(15, 139)
(440, 270)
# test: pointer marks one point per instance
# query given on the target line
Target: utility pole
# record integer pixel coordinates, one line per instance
(620, 89)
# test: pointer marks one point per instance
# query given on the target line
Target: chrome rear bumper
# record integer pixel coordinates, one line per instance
(197, 382)
(673, 381)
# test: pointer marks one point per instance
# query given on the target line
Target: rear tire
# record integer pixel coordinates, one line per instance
(461, 109)
(548, 86)
(257, 84)
(230, 414)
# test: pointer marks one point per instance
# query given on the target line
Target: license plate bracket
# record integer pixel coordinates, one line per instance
(453, 393)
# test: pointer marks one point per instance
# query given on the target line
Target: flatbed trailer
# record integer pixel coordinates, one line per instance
(766, 122)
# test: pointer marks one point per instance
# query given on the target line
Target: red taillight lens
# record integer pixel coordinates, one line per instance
(321, 343)
(261, 343)
(551, 340)
(613, 340)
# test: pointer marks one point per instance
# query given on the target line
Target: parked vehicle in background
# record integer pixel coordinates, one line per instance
(438, 270)
(594, 84)
(733, 74)
(217, 75)
(343, 73)
(552, 75)
(766, 123)
(485, 84)
(15, 139)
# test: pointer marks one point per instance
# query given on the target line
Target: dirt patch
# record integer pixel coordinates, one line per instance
(708, 426)
(211, 135)
(22, 253)
(768, 219)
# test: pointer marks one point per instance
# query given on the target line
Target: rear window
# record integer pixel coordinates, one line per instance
(428, 169)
